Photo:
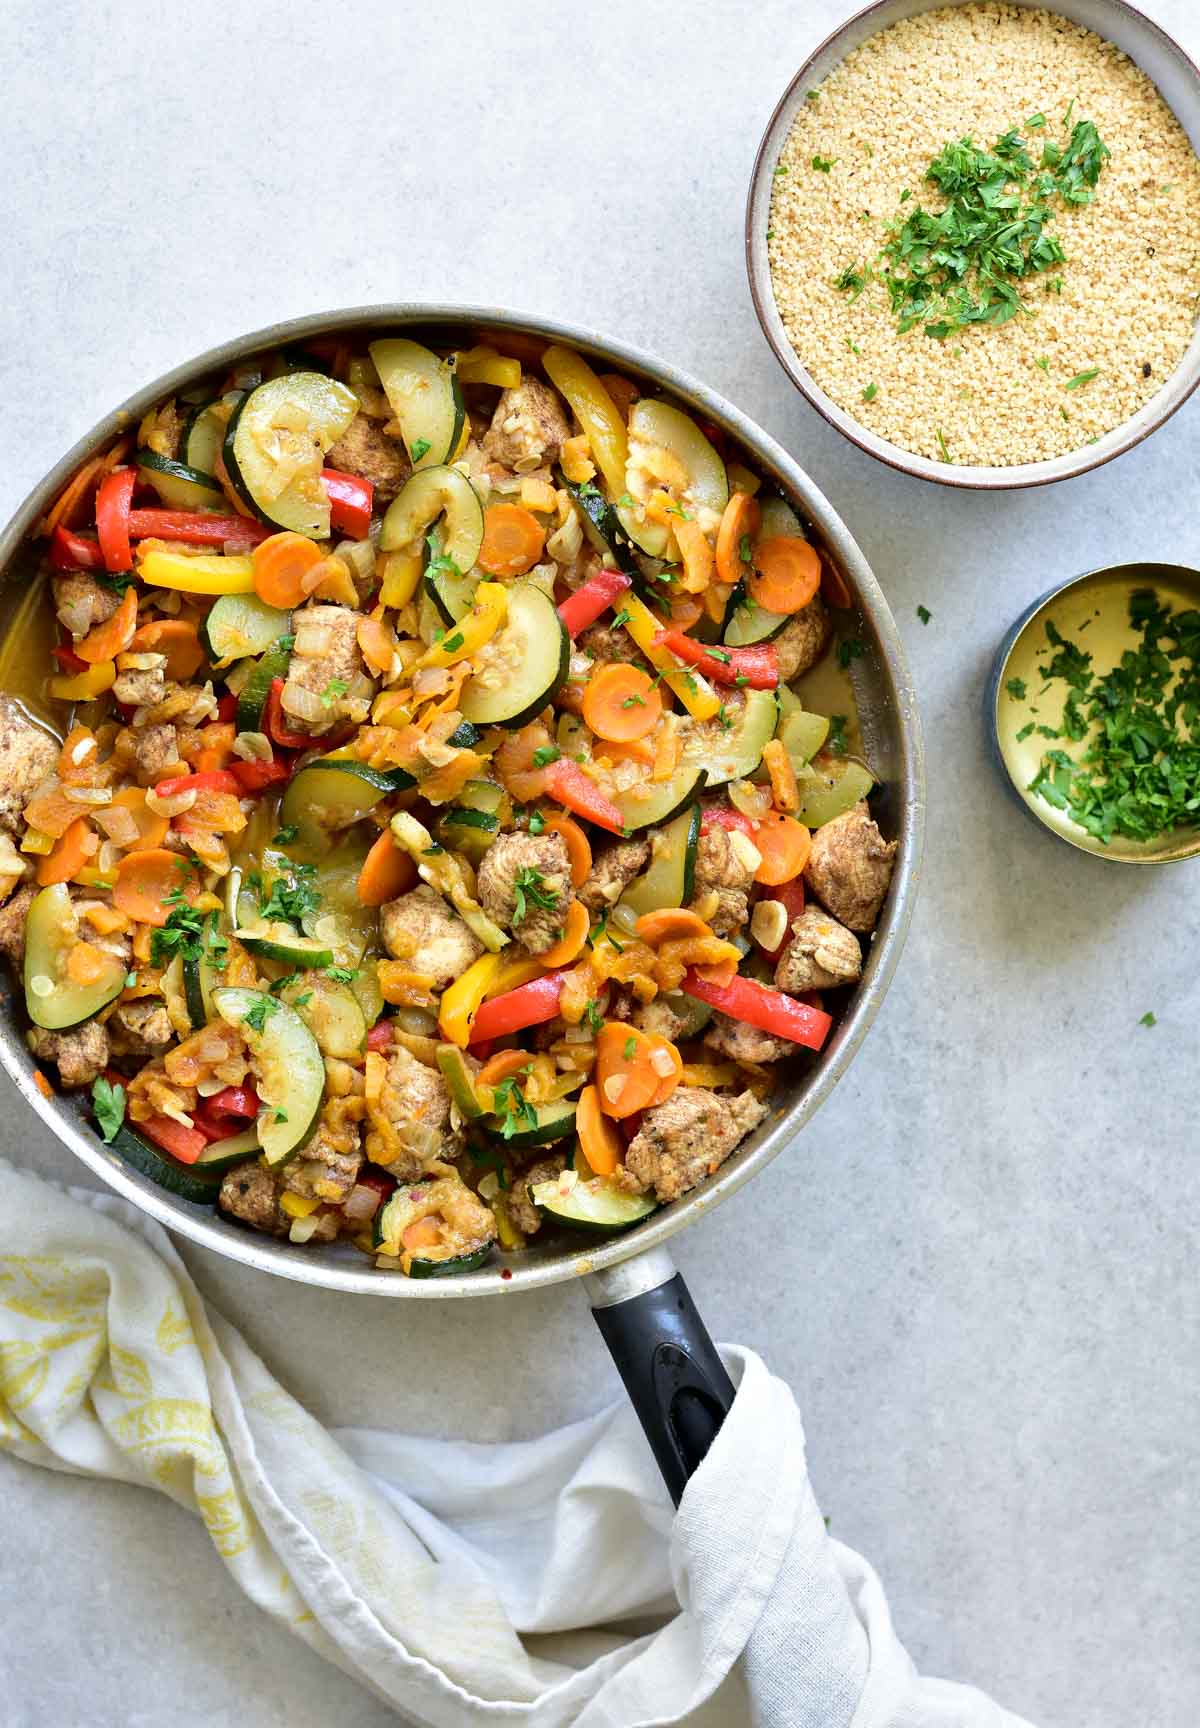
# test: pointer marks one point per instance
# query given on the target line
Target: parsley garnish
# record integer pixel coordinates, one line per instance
(1017, 689)
(745, 552)
(452, 644)
(527, 891)
(341, 974)
(600, 928)
(1148, 1019)
(924, 614)
(870, 393)
(625, 501)
(1082, 378)
(545, 754)
(851, 649)
(537, 822)
(285, 836)
(622, 617)
(723, 717)
(108, 1106)
(183, 934)
(629, 1049)
(1025, 732)
(593, 1016)
(292, 897)
(421, 447)
(945, 448)
(303, 1000)
(513, 1108)
(336, 687)
(634, 702)
(259, 1012)
(117, 580)
(1035, 123)
(823, 164)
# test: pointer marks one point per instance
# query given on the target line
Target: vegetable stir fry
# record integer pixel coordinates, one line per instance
(433, 848)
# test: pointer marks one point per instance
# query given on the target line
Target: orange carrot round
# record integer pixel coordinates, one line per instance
(571, 943)
(621, 703)
(377, 643)
(740, 521)
(177, 639)
(145, 880)
(69, 855)
(113, 637)
(786, 573)
(504, 1065)
(785, 845)
(670, 924)
(598, 1139)
(281, 562)
(628, 1064)
(386, 872)
(425, 1233)
(512, 540)
(85, 964)
(579, 850)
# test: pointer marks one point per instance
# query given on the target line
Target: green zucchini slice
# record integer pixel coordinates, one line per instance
(595, 1205)
(669, 878)
(554, 1122)
(602, 525)
(331, 1012)
(663, 425)
(831, 786)
(802, 734)
(734, 755)
(778, 518)
(204, 433)
(281, 942)
(222, 1155)
(664, 801)
(180, 486)
(471, 823)
(436, 495)
(200, 979)
(52, 1000)
(199, 1184)
(288, 1069)
(424, 396)
(746, 622)
(452, 1267)
(252, 699)
(275, 447)
(334, 792)
(240, 625)
(528, 661)
(393, 1219)
(460, 1082)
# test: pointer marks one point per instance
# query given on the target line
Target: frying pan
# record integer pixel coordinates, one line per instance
(643, 1309)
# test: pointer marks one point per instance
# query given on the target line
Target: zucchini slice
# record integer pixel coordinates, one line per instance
(669, 878)
(661, 802)
(205, 433)
(663, 426)
(240, 625)
(460, 1082)
(452, 593)
(393, 1219)
(334, 792)
(279, 941)
(289, 1072)
(802, 734)
(528, 661)
(275, 447)
(471, 823)
(595, 1205)
(52, 999)
(252, 699)
(222, 1155)
(602, 525)
(450, 1268)
(746, 622)
(443, 495)
(554, 1122)
(778, 518)
(734, 755)
(831, 786)
(199, 1184)
(424, 396)
(331, 1012)
(200, 979)
(180, 486)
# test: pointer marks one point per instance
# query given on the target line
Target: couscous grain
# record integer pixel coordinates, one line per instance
(1103, 330)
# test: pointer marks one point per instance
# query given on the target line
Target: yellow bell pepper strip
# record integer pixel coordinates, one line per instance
(206, 574)
(461, 1000)
(297, 1205)
(484, 366)
(442, 870)
(399, 572)
(513, 973)
(475, 628)
(85, 686)
(693, 690)
(595, 410)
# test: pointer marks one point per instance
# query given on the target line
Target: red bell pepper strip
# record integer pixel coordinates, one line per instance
(70, 551)
(227, 707)
(758, 1005)
(214, 780)
(529, 1004)
(113, 503)
(791, 896)
(195, 526)
(380, 1036)
(68, 659)
(757, 667)
(567, 783)
(724, 816)
(275, 727)
(350, 502)
(257, 776)
(186, 1144)
(583, 607)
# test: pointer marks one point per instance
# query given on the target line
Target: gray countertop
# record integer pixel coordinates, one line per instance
(976, 1267)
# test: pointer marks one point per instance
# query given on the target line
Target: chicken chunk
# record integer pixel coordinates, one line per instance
(612, 871)
(27, 757)
(140, 1028)
(519, 1198)
(12, 926)
(737, 1042)
(524, 883)
(156, 748)
(327, 1168)
(80, 1054)
(606, 642)
(528, 427)
(80, 602)
(822, 954)
(366, 450)
(250, 1193)
(421, 929)
(724, 867)
(669, 1015)
(686, 1139)
(326, 661)
(408, 1124)
(142, 686)
(850, 868)
(803, 640)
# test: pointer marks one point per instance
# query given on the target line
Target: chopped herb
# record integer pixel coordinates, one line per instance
(545, 754)
(593, 1016)
(1017, 689)
(870, 393)
(1025, 732)
(421, 447)
(341, 974)
(117, 580)
(924, 614)
(741, 679)
(527, 891)
(745, 553)
(812, 96)
(303, 1000)
(452, 644)
(433, 851)
(945, 448)
(600, 929)
(905, 196)
(182, 934)
(1035, 123)
(853, 346)
(851, 649)
(286, 643)
(852, 281)
(285, 836)
(770, 233)
(281, 1115)
(823, 163)
(1064, 413)
(622, 617)
(293, 896)
(281, 984)
(513, 1108)
(1082, 378)
(625, 501)
(629, 1049)
(634, 702)
(537, 822)
(723, 717)
(1148, 1019)
(108, 1106)
(835, 743)
(780, 171)
(1068, 114)
(259, 1012)
(336, 687)
(1043, 362)
(721, 654)
(691, 684)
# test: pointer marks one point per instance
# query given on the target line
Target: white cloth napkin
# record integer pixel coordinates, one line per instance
(464, 1584)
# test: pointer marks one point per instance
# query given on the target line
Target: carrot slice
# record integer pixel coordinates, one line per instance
(504, 1065)
(108, 640)
(68, 505)
(599, 1140)
(68, 854)
(671, 924)
(579, 850)
(152, 828)
(669, 1081)
(738, 523)
(281, 563)
(86, 964)
(377, 643)
(571, 943)
(784, 787)
(621, 703)
(786, 573)
(425, 1233)
(145, 880)
(627, 1068)
(785, 845)
(386, 872)
(512, 540)
(177, 639)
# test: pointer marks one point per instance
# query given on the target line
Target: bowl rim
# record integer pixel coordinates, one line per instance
(1174, 391)
(302, 1265)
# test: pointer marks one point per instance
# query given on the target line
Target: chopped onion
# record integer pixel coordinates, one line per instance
(304, 1229)
(81, 751)
(88, 794)
(430, 681)
(359, 556)
(660, 1061)
(253, 747)
(752, 801)
(359, 689)
(418, 1021)
(175, 805)
(210, 1087)
(140, 662)
(614, 1086)
(745, 851)
(361, 1203)
(304, 704)
(212, 1049)
(625, 918)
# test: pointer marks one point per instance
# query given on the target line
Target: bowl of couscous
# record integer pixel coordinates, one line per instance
(973, 235)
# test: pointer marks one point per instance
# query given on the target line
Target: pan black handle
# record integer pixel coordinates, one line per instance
(670, 1367)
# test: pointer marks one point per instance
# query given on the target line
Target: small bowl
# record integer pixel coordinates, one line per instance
(1178, 82)
(1098, 603)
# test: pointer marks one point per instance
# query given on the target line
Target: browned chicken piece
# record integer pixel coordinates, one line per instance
(156, 749)
(850, 868)
(326, 661)
(661, 1015)
(166, 435)
(327, 1168)
(737, 1042)
(686, 1139)
(524, 883)
(365, 449)
(528, 427)
(140, 1028)
(606, 642)
(422, 930)
(519, 1196)
(250, 1193)
(141, 686)
(80, 602)
(410, 1127)
(612, 871)
(27, 757)
(821, 955)
(12, 925)
(80, 1054)
(725, 866)
(803, 640)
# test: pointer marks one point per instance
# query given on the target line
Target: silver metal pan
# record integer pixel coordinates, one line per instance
(641, 1305)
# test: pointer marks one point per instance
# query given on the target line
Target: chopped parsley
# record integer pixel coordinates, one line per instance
(870, 393)
(944, 447)
(1035, 123)
(291, 897)
(851, 649)
(600, 929)
(1148, 1019)
(259, 1012)
(545, 754)
(1044, 362)
(184, 934)
(513, 1108)
(924, 614)
(537, 822)
(780, 170)
(117, 580)
(744, 550)
(634, 702)
(336, 687)
(108, 1107)
(1017, 689)
(528, 891)
(285, 836)
(823, 164)
(622, 617)
(629, 1050)
(1082, 378)
(421, 447)
(1025, 732)
(341, 974)
(723, 717)
(593, 1016)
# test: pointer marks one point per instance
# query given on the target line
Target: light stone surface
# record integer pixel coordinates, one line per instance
(977, 1267)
